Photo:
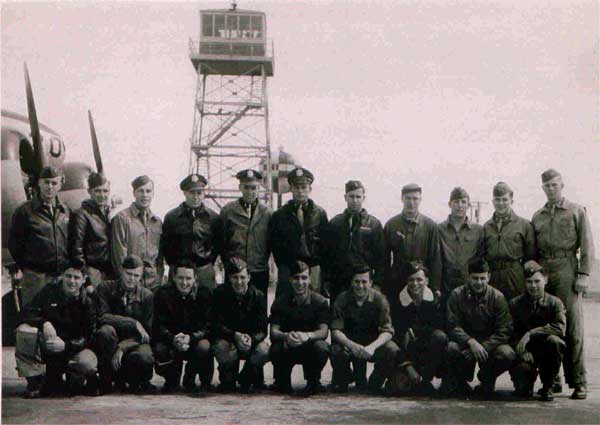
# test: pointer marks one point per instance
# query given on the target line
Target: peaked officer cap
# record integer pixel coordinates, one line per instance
(299, 174)
(193, 181)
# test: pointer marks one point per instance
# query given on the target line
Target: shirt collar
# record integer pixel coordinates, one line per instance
(37, 203)
(307, 301)
(415, 220)
(137, 293)
(466, 223)
(509, 217)
(370, 295)
(138, 212)
(406, 299)
(560, 204)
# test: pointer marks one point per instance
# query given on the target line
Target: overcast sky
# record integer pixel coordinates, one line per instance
(442, 93)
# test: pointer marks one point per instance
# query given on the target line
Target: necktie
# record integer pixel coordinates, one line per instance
(300, 215)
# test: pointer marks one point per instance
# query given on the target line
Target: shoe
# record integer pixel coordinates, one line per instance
(546, 394)
(227, 387)
(145, 387)
(170, 388)
(338, 388)
(34, 387)
(524, 391)
(556, 386)
(484, 391)
(312, 388)
(425, 388)
(92, 387)
(580, 392)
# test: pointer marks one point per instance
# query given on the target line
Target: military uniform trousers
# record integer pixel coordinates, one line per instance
(228, 356)
(312, 355)
(507, 277)
(384, 359)
(427, 354)
(169, 362)
(137, 364)
(547, 351)
(461, 369)
(562, 273)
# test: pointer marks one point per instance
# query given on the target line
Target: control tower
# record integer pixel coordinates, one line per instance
(232, 59)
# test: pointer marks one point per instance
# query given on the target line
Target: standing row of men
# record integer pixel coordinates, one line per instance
(300, 230)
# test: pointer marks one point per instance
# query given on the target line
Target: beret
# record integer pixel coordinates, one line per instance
(413, 267)
(235, 265)
(478, 265)
(193, 181)
(248, 175)
(96, 179)
(501, 188)
(531, 267)
(300, 174)
(140, 181)
(298, 267)
(458, 193)
(50, 171)
(353, 185)
(132, 262)
(411, 187)
(549, 174)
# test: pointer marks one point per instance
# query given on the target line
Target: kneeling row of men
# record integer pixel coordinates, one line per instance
(118, 334)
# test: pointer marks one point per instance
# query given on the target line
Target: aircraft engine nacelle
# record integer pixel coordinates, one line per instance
(74, 188)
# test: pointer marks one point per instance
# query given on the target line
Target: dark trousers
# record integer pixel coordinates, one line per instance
(228, 356)
(384, 359)
(427, 354)
(312, 355)
(137, 364)
(547, 351)
(169, 362)
(461, 369)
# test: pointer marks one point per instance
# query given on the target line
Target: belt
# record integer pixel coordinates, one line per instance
(558, 254)
(503, 264)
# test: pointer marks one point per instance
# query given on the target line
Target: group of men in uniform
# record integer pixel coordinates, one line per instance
(416, 298)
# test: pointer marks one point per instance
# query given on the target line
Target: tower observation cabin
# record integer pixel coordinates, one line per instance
(232, 59)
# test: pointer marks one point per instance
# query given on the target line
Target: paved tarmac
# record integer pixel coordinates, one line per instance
(327, 408)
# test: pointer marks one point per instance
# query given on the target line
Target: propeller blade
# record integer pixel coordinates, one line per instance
(33, 123)
(95, 146)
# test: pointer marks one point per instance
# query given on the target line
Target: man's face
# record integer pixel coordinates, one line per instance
(49, 188)
(361, 283)
(478, 282)
(143, 195)
(301, 191)
(249, 191)
(535, 285)
(502, 204)
(194, 197)
(300, 283)
(184, 280)
(354, 199)
(553, 189)
(130, 278)
(416, 284)
(411, 201)
(72, 280)
(239, 282)
(100, 194)
(459, 207)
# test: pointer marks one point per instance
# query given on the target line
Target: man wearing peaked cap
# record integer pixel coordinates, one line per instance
(460, 241)
(296, 231)
(509, 242)
(137, 231)
(409, 236)
(191, 231)
(90, 230)
(352, 236)
(562, 230)
(38, 235)
(539, 328)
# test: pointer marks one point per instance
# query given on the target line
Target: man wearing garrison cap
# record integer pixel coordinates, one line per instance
(125, 309)
(509, 242)
(562, 230)
(90, 231)
(245, 230)
(460, 241)
(539, 322)
(38, 236)
(191, 231)
(136, 231)
(353, 236)
(411, 236)
(479, 327)
(296, 231)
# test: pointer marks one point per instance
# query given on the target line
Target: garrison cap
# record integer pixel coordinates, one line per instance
(353, 185)
(96, 179)
(193, 181)
(478, 265)
(549, 174)
(140, 181)
(501, 189)
(132, 262)
(298, 174)
(298, 267)
(413, 267)
(235, 265)
(411, 187)
(50, 171)
(531, 267)
(248, 175)
(458, 193)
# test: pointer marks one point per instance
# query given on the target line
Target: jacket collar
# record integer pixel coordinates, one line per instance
(362, 213)
(510, 217)
(467, 223)
(370, 295)
(563, 204)
(415, 220)
(183, 209)
(293, 205)
(137, 292)
(406, 299)
(137, 212)
(37, 204)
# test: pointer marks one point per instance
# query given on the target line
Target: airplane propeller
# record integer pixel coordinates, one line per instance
(95, 146)
(33, 123)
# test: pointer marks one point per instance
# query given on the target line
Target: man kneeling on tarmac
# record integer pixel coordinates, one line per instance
(540, 322)
(180, 331)
(59, 325)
